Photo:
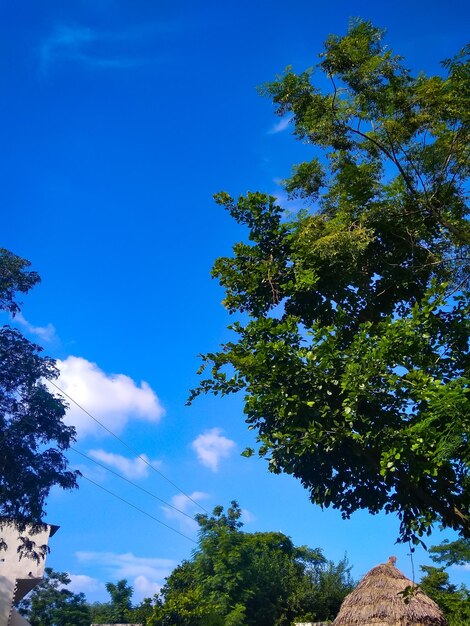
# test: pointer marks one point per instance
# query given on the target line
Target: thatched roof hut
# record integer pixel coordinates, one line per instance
(377, 601)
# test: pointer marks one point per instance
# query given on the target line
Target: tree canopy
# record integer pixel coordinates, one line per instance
(352, 339)
(52, 604)
(237, 578)
(453, 600)
(452, 552)
(121, 596)
(33, 435)
(119, 609)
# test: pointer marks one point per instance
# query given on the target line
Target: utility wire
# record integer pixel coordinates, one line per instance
(142, 458)
(138, 509)
(149, 493)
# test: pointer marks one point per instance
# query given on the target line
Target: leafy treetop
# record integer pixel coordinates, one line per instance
(33, 436)
(241, 579)
(353, 347)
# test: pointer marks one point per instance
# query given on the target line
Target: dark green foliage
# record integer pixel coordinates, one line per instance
(14, 277)
(353, 353)
(52, 604)
(121, 595)
(238, 578)
(452, 552)
(33, 436)
(328, 586)
(454, 601)
(142, 612)
(100, 613)
(119, 609)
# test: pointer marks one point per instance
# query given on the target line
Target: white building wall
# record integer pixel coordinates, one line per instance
(18, 575)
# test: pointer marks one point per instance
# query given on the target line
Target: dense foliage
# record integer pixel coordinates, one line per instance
(452, 552)
(453, 600)
(238, 578)
(52, 604)
(33, 436)
(121, 596)
(233, 578)
(352, 345)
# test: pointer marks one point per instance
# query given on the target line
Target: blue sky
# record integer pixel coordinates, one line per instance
(120, 119)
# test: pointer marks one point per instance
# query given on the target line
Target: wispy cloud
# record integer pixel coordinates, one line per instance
(126, 564)
(185, 505)
(282, 125)
(131, 468)
(80, 583)
(113, 399)
(146, 575)
(211, 446)
(64, 41)
(44, 333)
(100, 50)
(93, 472)
(247, 516)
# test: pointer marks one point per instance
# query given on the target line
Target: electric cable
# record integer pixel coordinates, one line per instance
(142, 458)
(138, 509)
(149, 493)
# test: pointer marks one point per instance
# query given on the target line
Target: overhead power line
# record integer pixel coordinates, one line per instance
(142, 458)
(138, 509)
(149, 493)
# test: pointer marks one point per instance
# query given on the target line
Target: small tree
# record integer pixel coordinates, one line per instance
(121, 596)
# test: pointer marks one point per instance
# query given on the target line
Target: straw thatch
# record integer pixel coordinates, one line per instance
(377, 601)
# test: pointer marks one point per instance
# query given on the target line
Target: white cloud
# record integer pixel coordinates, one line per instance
(183, 503)
(44, 333)
(93, 472)
(187, 506)
(112, 399)
(146, 575)
(281, 125)
(211, 447)
(127, 565)
(145, 587)
(465, 567)
(80, 583)
(131, 468)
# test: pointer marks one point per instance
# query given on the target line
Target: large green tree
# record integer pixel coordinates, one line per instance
(242, 579)
(352, 339)
(33, 435)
